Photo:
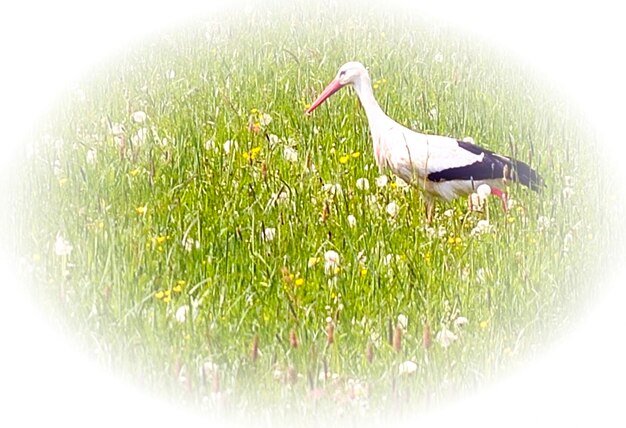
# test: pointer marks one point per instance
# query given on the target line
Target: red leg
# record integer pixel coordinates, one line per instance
(503, 197)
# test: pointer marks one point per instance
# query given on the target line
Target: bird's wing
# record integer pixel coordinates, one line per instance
(486, 165)
(413, 155)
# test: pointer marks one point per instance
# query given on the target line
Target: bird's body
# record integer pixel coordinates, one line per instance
(443, 167)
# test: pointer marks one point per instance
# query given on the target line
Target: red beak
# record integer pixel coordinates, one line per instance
(332, 87)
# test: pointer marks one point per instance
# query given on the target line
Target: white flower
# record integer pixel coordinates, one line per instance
(403, 321)
(189, 244)
(170, 74)
(333, 189)
(448, 213)
(272, 140)
(140, 137)
(139, 117)
(543, 223)
(372, 201)
(265, 119)
(230, 145)
(461, 321)
(510, 203)
(268, 234)
(207, 369)
(483, 191)
(482, 226)
(407, 368)
(445, 337)
(351, 220)
(56, 168)
(363, 184)
(438, 57)
(475, 202)
(361, 257)
(389, 258)
(62, 247)
(331, 262)
(280, 198)
(433, 113)
(117, 129)
(209, 145)
(290, 154)
(392, 209)
(382, 181)
(181, 314)
(401, 184)
(91, 156)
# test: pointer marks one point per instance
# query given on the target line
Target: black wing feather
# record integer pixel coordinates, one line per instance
(492, 166)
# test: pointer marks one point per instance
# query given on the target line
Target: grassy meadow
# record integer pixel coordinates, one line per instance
(198, 234)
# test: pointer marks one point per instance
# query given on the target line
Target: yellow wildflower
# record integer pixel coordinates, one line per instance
(159, 295)
(344, 159)
(356, 154)
(313, 261)
(299, 282)
(178, 288)
(142, 210)
(134, 172)
(363, 271)
(484, 324)
(252, 153)
(62, 181)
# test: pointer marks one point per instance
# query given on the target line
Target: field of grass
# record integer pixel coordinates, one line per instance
(197, 233)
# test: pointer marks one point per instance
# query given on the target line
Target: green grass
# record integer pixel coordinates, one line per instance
(519, 286)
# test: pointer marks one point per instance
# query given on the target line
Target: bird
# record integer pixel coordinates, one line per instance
(445, 168)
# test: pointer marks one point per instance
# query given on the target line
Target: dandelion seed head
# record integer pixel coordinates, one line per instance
(445, 337)
(139, 116)
(363, 184)
(407, 368)
(403, 321)
(230, 145)
(91, 156)
(181, 314)
(290, 154)
(140, 137)
(331, 262)
(268, 234)
(392, 209)
(483, 191)
(382, 181)
(62, 246)
(461, 321)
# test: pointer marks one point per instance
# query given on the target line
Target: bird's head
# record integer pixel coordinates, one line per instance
(348, 74)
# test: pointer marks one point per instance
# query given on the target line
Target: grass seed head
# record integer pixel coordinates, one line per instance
(426, 336)
(369, 353)
(293, 339)
(330, 333)
(397, 339)
(254, 354)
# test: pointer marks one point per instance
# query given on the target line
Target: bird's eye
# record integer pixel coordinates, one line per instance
(342, 73)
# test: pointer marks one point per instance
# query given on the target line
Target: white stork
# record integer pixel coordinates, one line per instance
(443, 167)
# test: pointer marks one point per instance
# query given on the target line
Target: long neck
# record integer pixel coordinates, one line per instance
(375, 115)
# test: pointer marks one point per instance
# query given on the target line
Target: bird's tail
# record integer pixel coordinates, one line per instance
(524, 174)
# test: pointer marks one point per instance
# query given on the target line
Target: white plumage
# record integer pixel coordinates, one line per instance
(442, 166)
